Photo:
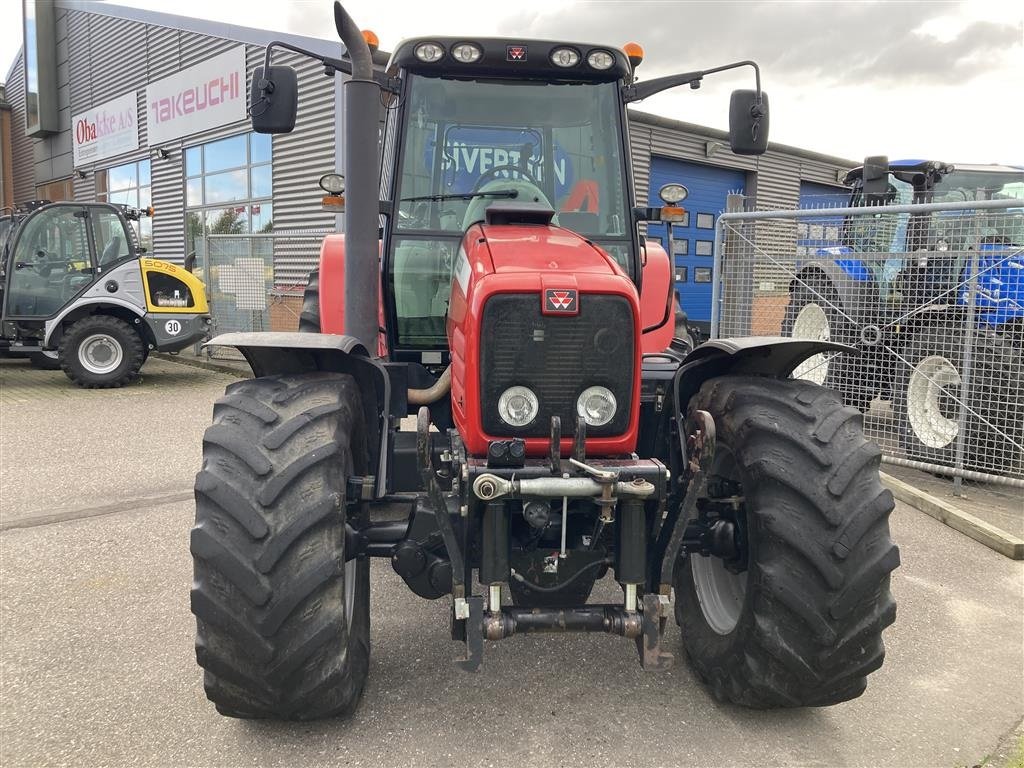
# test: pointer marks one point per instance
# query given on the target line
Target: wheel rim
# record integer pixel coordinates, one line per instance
(720, 592)
(100, 353)
(812, 323)
(934, 382)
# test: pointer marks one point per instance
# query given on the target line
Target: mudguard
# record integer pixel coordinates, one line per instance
(774, 356)
(281, 353)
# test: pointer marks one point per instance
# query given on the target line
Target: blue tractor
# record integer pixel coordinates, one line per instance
(898, 287)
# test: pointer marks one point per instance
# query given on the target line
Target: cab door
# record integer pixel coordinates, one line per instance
(51, 261)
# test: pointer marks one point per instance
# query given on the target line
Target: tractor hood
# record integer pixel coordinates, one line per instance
(544, 249)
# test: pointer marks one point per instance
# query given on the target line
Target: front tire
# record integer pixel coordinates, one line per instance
(100, 352)
(800, 624)
(283, 620)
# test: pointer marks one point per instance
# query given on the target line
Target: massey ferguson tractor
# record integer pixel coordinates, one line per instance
(492, 283)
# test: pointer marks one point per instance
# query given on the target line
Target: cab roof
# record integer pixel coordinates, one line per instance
(510, 58)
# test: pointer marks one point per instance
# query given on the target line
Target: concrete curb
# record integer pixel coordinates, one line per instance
(964, 522)
(240, 370)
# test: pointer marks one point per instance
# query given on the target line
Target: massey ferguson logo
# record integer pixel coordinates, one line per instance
(561, 300)
(515, 53)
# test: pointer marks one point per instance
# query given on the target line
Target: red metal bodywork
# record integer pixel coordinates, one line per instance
(332, 288)
(526, 258)
(657, 300)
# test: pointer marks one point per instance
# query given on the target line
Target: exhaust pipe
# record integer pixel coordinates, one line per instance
(433, 393)
(362, 104)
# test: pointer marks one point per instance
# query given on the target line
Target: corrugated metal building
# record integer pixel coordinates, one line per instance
(207, 173)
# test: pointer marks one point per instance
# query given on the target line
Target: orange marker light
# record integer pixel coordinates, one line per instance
(635, 53)
(371, 39)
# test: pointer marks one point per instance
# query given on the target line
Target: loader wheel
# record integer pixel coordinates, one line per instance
(283, 620)
(100, 352)
(796, 618)
(309, 317)
(44, 361)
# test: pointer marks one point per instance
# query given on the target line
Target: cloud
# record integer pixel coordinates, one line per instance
(850, 43)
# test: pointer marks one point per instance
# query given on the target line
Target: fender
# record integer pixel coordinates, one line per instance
(54, 323)
(773, 356)
(279, 353)
(859, 299)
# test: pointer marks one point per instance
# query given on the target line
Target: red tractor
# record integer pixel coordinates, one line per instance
(509, 303)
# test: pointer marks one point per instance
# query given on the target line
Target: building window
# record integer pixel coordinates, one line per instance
(705, 221)
(228, 187)
(129, 185)
(55, 191)
(705, 248)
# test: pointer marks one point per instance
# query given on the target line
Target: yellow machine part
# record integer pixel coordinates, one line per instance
(158, 278)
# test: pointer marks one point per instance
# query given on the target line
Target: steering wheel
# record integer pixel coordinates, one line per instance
(42, 264)
(492, 172)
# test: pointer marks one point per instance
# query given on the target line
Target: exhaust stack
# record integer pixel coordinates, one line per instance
(362, 210)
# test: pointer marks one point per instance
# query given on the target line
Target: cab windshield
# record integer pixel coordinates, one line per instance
(467, 143)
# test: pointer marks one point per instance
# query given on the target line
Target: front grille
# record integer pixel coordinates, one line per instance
(557, 357)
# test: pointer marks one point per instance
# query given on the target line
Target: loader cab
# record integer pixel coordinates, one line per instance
(57, 251)
(496, 120)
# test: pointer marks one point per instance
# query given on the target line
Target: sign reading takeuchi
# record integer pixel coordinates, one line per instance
(198, 98)
(107, 130)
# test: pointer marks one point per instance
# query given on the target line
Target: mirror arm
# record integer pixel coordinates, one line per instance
(640, 91)
(331, 65)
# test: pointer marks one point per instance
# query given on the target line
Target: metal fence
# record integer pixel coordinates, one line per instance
(932, 296)
(255, 282)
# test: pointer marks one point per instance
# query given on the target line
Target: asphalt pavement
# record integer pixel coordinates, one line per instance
(97, 665)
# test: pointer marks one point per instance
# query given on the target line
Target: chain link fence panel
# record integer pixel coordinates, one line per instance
(930, 295)
(252, 280)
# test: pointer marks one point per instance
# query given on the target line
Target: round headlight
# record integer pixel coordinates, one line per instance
(429, 52)
(565, 57)
(467, 53)
(596, 406)
(600, 59)
(671, 194)
(517, 406)
(332, 183)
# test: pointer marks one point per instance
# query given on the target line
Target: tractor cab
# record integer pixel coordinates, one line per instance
(520, 126)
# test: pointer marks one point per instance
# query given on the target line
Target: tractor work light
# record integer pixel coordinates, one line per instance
(600, 59)
(429, 52)
(467, 53)
(671, 194)
(518, 406)
(332, 183)
(596, 406)
(565, 57)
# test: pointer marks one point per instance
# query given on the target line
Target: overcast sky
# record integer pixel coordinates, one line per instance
(941, 80)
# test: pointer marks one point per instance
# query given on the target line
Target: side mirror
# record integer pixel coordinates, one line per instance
(875, 179)
(274, 99)
(748, 123)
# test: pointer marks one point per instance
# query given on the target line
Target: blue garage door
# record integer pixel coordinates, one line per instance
(694, 239)
(815, 195)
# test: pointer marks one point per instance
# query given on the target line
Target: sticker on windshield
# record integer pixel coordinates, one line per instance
(515, 53)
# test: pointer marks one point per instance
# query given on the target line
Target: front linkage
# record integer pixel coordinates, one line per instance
(473, 522)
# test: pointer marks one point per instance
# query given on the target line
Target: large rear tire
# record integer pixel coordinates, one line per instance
(309, 317)
(283, 621)
(800, 623)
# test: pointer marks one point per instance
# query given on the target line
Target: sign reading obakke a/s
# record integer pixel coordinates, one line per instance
(196, 99)
(107, 130)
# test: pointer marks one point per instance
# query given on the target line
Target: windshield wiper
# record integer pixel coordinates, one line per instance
(509, 193)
